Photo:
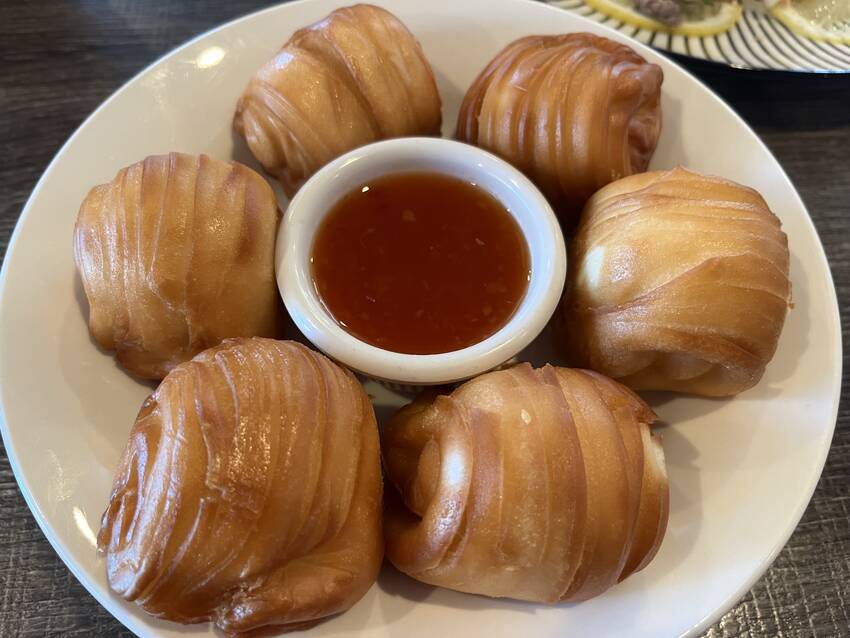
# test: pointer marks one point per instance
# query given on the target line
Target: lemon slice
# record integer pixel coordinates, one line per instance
(718, 23)
(827, 20)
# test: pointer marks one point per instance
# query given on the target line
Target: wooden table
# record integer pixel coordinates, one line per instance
(59, 60)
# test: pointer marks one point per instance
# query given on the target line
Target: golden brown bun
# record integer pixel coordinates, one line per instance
(249, 492)
(542, 485)
(573, 112)
(356, 77)
(177, 253)
(678, 281)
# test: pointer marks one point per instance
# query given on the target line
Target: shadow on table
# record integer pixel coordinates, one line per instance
(778, 100)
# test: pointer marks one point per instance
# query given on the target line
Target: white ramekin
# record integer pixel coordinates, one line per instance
(319, 194)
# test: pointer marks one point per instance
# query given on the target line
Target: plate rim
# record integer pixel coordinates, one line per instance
(113, 606)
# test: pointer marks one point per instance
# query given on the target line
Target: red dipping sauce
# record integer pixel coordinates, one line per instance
(420, 263)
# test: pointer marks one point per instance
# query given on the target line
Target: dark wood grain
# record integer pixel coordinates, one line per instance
(59, 60)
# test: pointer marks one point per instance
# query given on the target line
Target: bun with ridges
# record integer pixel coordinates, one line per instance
(176, 253)
(356, 77)
(678, 281)
(542, 485)
(249, 492)
(573, 112)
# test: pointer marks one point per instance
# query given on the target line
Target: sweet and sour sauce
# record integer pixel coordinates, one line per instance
(420, 263)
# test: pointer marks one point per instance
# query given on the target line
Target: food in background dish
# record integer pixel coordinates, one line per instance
(573, 112)
(824, 20)
(356, 77)
(420, 263)
(175, 254)
(680, 17)
(249, 492)
(543, 485)
(678, 281)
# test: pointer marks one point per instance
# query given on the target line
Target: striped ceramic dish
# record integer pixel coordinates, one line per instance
(757, 41)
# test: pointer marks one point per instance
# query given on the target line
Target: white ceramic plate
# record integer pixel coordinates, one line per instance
(741, 471)
(758, 41)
